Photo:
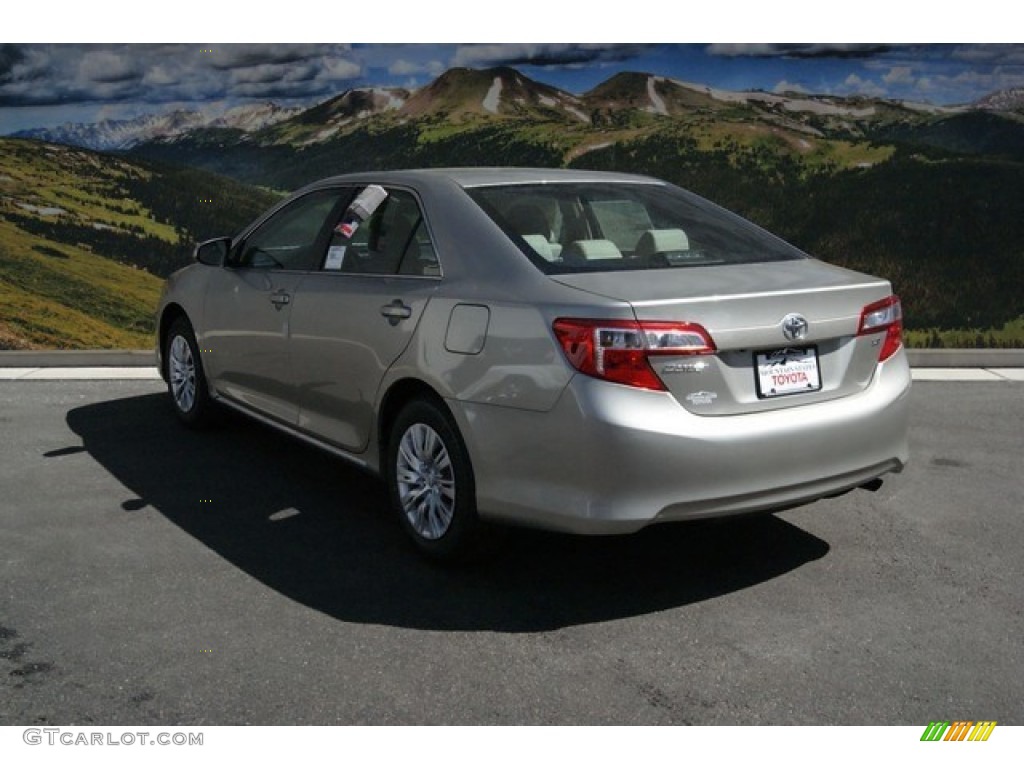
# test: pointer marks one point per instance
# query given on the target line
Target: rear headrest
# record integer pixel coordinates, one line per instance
(585, 250)
(540, 244)
(662, 241)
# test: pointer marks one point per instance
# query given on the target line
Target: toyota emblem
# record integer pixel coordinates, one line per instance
(794, 326)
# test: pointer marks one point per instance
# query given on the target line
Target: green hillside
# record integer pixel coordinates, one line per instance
(930, 198)
(86, 238)
(948, 233)
(946, 227)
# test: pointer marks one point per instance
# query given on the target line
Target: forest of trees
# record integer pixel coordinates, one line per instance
(948, 231)
(945, 227)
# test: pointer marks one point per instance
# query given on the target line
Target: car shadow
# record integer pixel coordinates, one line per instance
(318, 531)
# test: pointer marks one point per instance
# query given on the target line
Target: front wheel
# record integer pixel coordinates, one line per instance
(186, 382)
(430, 480)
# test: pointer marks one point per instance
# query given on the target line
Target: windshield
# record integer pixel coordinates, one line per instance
(600, 227)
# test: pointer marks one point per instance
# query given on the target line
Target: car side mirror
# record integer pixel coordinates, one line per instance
(213, 252)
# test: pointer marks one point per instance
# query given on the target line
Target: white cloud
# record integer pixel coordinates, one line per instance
(854, 84)
(404, 67)
(899, 76)
(275, 73)
(232, 56)
(108, 67)
(336, 68)
(784, 86)
(160, 75)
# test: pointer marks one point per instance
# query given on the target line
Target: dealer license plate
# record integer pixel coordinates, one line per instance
(787, 371)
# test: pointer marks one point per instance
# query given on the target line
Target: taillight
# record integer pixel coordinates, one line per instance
(885, 315)
(618, 350)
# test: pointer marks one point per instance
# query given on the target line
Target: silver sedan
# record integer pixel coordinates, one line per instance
(578, 351)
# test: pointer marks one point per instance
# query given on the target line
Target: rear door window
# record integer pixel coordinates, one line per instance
(394, 240)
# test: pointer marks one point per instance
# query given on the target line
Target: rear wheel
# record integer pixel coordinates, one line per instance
(430, 480)
(186, 381)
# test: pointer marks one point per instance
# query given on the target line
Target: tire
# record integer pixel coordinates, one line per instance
(186, 380)
(430, 482)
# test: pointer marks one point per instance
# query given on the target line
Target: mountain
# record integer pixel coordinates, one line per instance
(353, 104)
(254, 117)
(463, 93)
(85, 239)
(631, 91)
(468, 116)
(1009, 100)
(931, 197)
(112, 135)
(464, 99)
(323, 121)
(487, 106)
(117, 134)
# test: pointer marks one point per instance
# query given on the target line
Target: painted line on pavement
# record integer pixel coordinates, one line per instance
(78, 374)
(968, 374)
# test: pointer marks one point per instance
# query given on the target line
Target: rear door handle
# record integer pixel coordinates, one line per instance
(280, 298)
(396, 311)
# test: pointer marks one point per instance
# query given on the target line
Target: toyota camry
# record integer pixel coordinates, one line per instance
(583, 352)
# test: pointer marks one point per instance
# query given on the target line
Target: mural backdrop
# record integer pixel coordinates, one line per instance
(905, 161)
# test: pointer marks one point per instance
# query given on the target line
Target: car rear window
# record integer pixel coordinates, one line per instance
(598, 227)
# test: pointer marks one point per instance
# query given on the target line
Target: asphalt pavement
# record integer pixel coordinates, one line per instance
(153, 575)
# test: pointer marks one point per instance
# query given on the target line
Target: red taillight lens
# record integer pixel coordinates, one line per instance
(885, 315)
(618, 350)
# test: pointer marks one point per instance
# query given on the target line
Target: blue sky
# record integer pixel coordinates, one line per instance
(45, 84)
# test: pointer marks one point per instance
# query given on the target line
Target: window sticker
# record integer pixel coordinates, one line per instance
(348, 227)
(335, 255)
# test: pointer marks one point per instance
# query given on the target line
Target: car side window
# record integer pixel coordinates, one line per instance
(291, 238)
(393, 241)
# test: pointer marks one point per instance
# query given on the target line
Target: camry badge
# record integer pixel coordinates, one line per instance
(794, 326)
(694, 367)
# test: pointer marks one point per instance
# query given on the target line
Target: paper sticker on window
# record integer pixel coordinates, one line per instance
(347, 227)
(362, 208)
(335, 255)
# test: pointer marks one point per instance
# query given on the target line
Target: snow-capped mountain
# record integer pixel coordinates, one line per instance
(254, 117)
(117, 134)
(500, 91)
(113, 135)
(1010, 100)
(462, 96)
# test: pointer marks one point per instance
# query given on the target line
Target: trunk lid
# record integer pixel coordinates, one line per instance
(743, 307)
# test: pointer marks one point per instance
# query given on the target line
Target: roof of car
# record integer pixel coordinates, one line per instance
(478, 177)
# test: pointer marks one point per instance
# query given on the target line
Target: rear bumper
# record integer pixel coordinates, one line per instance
(612, 459)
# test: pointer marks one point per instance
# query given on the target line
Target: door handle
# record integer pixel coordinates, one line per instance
(279, 299)
(396, 311)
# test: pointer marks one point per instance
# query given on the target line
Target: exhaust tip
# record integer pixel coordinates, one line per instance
(872, 485)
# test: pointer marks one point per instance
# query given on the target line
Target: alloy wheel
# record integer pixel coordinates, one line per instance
(426, 481)
(182, 374)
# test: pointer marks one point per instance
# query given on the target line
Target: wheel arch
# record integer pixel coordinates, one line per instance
(397, 396)
(465, 537)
